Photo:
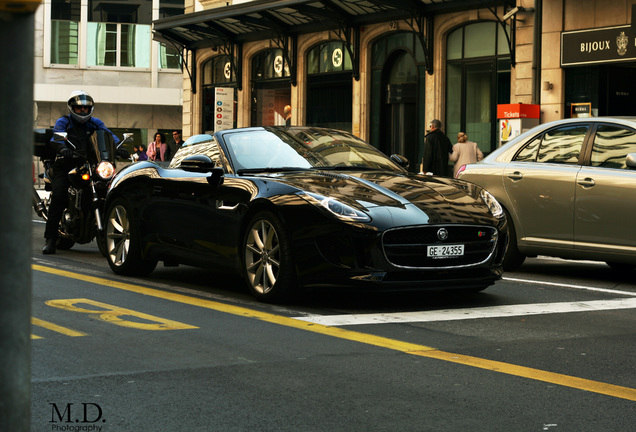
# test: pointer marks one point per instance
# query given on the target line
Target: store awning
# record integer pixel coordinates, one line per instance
(228, 28)
(267, 19)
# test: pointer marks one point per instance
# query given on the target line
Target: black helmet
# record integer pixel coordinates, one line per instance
(80, 98)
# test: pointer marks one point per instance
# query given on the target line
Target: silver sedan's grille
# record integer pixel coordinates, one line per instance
(408, 247)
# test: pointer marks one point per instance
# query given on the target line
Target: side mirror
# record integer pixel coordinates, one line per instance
(400, 160)
(630, 161)
(197, 163)
(60, 136)
(128, 138)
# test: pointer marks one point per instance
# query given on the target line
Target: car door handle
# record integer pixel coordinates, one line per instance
(515, 176)
(223, 206)
(586, 182)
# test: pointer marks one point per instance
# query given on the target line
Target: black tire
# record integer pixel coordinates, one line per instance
(100, 239)
(64, 243)
(512, 258)
(621, 267)
(123, 243)
(268, 268)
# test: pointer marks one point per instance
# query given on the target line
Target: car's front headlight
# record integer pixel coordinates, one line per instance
(105, 170)
(492, 203)
(335, 207)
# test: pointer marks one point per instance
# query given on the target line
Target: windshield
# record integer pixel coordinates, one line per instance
(303, 149)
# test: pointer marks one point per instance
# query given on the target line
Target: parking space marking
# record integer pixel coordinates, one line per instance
(369, 339)
(113, 315)
(56, 328)
(470, 313)
(572, 286)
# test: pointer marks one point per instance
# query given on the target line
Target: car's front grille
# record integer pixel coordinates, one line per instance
(407, 247)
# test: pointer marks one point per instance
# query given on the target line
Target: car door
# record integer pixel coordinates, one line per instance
(540, 184)
(183, 212)
(606, 193)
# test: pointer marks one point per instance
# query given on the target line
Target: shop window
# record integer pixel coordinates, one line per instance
(271, 91)
(216, 72)
(329, 86)
(477, 79)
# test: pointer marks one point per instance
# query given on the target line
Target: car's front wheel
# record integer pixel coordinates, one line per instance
(123, 243)
(267, 264)
(512, 258)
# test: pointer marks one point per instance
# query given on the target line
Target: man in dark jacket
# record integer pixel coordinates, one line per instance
(437, 148)
(79, 125)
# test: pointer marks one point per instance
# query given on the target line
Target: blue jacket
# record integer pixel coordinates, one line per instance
(66, 124)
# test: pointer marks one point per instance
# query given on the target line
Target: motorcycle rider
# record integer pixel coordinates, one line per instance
(80, 125)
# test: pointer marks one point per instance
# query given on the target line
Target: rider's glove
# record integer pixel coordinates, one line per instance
(66, 152)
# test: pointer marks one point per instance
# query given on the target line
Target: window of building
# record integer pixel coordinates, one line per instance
(271, 91)
(397, 96)
(118, 33)
(477, 79)
(216, 72)
(329, 86)
(65, 19)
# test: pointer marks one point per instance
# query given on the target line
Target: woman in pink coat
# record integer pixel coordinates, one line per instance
(464, 152)
(154, 147)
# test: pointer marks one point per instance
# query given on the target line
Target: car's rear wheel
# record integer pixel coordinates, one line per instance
(512, 258)
(267, 264)
(123, 243)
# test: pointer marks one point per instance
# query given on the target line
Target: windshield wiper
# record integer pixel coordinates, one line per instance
(269, 169)
(346, 168)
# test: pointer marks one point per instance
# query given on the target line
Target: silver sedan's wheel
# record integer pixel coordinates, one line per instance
(268, 266)
(123, 246)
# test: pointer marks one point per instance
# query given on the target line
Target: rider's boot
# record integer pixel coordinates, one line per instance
(49, 246)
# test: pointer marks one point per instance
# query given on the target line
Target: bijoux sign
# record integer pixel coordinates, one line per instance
(594, 46)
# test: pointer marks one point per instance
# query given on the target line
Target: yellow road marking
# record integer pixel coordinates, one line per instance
(114, 314)
(379, 341)
(55, 328)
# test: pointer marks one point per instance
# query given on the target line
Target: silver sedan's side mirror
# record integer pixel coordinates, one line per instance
(631, 160)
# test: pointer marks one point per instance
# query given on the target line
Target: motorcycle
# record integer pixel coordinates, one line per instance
(82, 220)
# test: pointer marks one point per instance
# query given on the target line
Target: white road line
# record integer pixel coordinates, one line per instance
(470, 313)
(564, 285)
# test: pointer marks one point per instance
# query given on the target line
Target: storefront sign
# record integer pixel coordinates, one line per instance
(579, 110)
(223, 108)
(605, 45)
(510, 111)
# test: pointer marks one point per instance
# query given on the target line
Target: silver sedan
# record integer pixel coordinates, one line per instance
(569, 190)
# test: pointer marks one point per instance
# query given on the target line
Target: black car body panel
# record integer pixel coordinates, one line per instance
(200, 218)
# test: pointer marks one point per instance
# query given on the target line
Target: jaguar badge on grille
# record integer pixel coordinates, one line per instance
(442, 234)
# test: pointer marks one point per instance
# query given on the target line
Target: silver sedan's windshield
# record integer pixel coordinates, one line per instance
(303, 149)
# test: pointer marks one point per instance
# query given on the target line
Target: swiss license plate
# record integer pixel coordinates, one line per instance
(445, 251)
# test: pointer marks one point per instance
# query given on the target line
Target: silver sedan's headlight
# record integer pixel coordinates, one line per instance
(492, 203)
(105, 170)
(335, 207)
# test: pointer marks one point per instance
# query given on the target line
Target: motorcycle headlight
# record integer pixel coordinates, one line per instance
(492, 203)
(105, 170)
(337, 208)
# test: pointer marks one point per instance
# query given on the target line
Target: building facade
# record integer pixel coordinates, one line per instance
(384, 70)
(106, 48)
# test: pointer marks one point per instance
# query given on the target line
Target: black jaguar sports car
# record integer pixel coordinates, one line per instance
(299, 207)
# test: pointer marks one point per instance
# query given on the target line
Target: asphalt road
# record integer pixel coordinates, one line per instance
(549, 348)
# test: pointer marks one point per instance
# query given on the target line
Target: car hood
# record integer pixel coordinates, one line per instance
(431, 199)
